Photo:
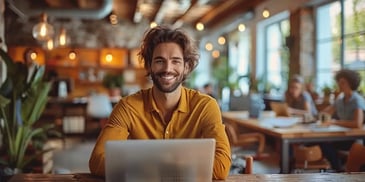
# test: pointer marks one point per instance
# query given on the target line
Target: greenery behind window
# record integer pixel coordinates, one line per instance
(337, 20)
(276, 56)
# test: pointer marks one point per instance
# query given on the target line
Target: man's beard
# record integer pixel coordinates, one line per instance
(166, 89)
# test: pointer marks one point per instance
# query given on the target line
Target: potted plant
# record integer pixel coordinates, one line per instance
(327, 91)
(21, 104)
(114, 83)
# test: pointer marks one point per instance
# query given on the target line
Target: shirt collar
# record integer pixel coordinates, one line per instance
(152, 106)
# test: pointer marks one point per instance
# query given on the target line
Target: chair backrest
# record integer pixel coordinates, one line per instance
(308, 153)
(356, 158)
(231, 133)
(99, 106)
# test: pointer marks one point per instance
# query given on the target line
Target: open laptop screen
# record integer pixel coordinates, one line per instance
(159, 160)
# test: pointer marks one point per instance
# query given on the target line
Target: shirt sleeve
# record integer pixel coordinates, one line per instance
(308, 98)
(114, 130)
(360, 102)
(214, 128)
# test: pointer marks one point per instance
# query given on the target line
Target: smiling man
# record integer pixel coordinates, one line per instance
(167, 110)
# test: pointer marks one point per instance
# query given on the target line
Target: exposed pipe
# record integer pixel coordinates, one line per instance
(23, 10)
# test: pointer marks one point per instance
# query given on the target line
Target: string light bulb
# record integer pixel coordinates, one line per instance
(113, 18)
(266, 13)
(49, 44)
(43, 31)
(221, 40)
(199, 26)
(62, 39)
(208, 46)
(153, 24)
(33, 56)
(215, 54)
(109, 57)
(72, 55)
(241, 27)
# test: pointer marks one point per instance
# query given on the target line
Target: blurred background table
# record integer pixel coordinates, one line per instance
(294, 133)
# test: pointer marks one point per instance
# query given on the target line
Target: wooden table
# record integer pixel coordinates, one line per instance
(298, 133)
(234, 178)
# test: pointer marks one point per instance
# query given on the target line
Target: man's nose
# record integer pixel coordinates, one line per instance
(168, 66)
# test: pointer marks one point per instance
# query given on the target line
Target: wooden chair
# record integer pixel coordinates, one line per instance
(356, 158)
(309, 157)
(245, 139)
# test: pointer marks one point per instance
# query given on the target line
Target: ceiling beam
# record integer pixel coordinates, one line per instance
(125, 10)
(218, 11)
(182, 17)
(158, 8)
(132, 9)
(228, 10)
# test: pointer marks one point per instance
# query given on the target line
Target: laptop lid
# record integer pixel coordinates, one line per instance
(159, 160)
(280, 108)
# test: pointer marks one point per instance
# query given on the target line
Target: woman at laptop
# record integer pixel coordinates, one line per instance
(346, 111)
(299, 101)
(167, 110)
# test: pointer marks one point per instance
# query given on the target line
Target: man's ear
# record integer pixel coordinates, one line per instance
(186, 69)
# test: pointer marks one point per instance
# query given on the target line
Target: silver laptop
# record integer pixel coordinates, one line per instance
(159, 160)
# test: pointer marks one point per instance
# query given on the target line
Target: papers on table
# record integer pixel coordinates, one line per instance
(330, 128)
(281, 122)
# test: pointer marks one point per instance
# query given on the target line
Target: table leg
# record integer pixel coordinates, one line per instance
(285, 159)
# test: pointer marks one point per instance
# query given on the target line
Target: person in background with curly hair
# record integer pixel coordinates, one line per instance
(346, 111)
(168, 110)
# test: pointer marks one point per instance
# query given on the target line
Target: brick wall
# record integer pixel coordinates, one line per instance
(301, 43)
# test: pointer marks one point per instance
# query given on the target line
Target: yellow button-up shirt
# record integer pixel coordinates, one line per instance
(137, 117)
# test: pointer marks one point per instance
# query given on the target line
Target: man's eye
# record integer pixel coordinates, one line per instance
(159, 61)
(176, 61)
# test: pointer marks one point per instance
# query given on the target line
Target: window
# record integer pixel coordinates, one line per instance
(340, 39)
(239, 58)
(272, 53)
(277, 65)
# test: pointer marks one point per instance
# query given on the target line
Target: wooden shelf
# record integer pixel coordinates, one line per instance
(89, 66)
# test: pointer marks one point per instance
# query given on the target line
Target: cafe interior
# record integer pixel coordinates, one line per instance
(249, 51)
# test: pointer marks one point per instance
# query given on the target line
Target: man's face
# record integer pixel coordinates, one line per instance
(167, 67)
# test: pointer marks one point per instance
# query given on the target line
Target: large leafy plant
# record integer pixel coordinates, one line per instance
(113, 81)
(21, 104)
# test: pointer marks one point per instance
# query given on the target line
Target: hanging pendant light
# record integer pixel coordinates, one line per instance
(62, 38)
(43, 31)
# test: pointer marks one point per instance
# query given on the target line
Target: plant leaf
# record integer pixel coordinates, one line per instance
(34, 105)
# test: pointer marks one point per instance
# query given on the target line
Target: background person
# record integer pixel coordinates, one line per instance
(347, 111)
(167, 110)
(309, 87)
(299, 101)
(208, 89)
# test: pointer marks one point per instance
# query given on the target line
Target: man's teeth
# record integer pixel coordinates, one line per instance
(168, 77)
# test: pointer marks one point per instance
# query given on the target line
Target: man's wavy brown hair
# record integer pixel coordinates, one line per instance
(163, 34)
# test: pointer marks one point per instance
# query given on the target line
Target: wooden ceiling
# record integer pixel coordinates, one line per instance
(171, 12)
(86, 20)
